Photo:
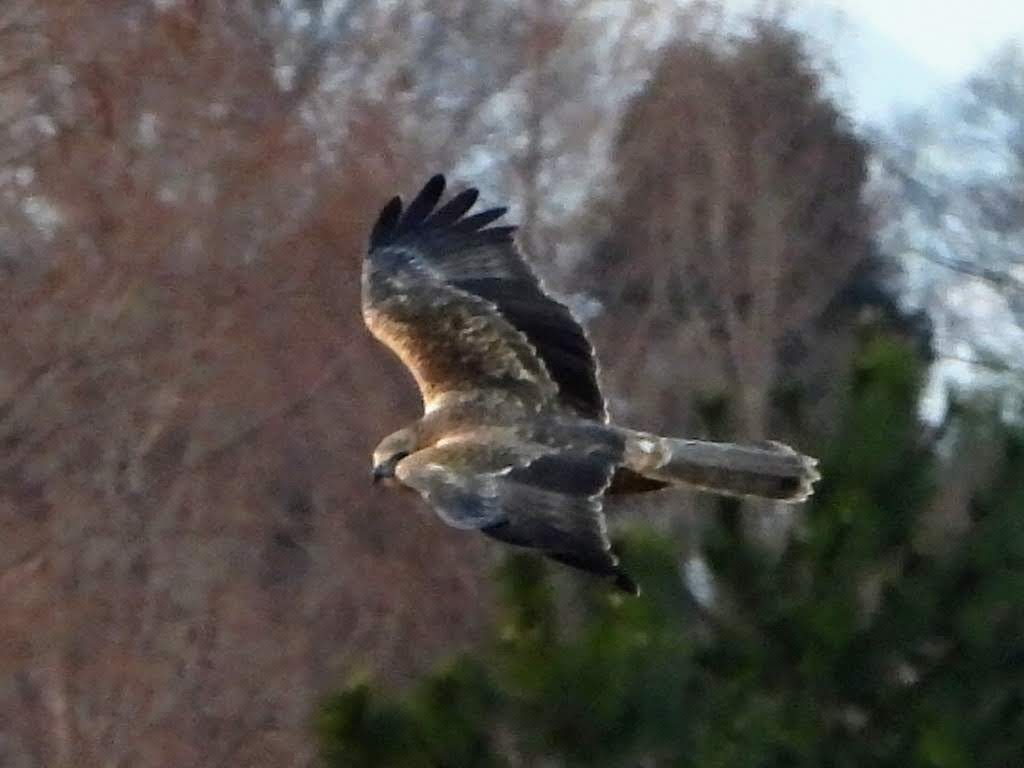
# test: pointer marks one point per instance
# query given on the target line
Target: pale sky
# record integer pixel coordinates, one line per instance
(894, 54)
(952, 38)
(904, 54)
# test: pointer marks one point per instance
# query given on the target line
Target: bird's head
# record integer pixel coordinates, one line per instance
(391, 450)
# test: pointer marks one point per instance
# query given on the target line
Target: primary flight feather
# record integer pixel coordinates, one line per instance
(515, 440)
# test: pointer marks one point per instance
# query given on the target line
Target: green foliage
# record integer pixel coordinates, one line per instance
(440, 723)
(853, 648)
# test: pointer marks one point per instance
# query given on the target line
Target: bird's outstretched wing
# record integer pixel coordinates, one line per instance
(523, 493)
(454, 299)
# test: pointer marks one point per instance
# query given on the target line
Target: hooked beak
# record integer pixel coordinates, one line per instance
(386, 469)
(382, 471)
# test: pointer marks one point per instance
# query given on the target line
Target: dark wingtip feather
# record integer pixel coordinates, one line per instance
(454, 209)
(497, 234)
(420, 219)
(480, 220)
(386, 221)
(424, 202)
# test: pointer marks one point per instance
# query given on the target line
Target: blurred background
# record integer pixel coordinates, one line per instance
(803, 221)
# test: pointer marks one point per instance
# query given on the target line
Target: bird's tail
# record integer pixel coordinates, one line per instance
(767, 470)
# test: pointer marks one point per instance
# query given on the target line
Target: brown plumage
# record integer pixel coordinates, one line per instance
(515, 440)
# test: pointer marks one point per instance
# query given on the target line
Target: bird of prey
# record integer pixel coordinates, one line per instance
(515, 439)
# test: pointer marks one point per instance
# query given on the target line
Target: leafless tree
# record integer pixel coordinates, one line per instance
(740, 220)
(187, 395)
(953, 187)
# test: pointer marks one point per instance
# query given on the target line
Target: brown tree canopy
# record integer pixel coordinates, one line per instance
(739, 218)
(188, 401)
(188, 398)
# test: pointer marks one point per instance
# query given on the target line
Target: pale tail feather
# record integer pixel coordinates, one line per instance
(767, 470)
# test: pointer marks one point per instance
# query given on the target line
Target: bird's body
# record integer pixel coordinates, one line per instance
(515, 439)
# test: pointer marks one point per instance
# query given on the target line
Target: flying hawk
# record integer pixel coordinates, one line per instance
(515, 439)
